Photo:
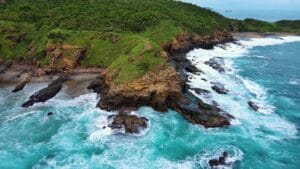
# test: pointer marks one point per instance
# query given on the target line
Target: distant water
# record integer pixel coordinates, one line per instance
(266, 71)
(266, 15)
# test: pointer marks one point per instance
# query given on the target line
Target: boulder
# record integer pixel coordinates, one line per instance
(21, 85)
(198, 112)
(192, 69)
(131, 123)
(219, 88)
(50, 113)
(216, 63)
(47, 93)
(200, 91)
(98, 85)
(214, 163)
(253, 105)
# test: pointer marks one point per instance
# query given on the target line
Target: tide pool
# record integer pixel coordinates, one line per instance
(266, 71)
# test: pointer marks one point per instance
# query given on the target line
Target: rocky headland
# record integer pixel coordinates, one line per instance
(162, 88)
(165, 88)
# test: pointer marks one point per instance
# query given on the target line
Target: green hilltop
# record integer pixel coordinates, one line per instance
(125, 36)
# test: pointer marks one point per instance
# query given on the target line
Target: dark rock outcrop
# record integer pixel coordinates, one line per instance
(99, 85)
(216, 63)
(162, 90)
(198, 112)
(47, 93)
(131, 123)
(200, 91)
(253, 105)
(50, 113)
(214, 163)
(165, 87)
(219, 88)
(192, 69)
(21, 85)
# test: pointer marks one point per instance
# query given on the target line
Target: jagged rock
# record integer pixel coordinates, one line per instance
(207, 115)
(21, 85)
(253, 105)
(219, 88)
(200, 91)
(216, 63)
(50, 113)
(98, 85)
(131, 123)
(47, 93)
(154, 89)
(192, 69)
(214, 163)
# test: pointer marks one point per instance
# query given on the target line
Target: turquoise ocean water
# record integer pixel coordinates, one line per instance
(266, 71)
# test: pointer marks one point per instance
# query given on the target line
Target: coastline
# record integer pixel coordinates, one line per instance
(116, 98)
(240, 35)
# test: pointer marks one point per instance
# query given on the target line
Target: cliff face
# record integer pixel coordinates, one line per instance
(185, 42)
(64, 56)
(156, 89)
(164, 88)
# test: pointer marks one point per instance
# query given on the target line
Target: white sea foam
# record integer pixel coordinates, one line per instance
(234, 154)
(19, 116)
(98, 135)
(240, 88)
(294, 81)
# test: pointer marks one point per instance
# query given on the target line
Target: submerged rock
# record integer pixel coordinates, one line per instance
(200, 91)
(131, 123)
(21, 85)
(219, 88)
(253, 105)
(214, 163)
(216, 63)
(50, 113)
(47, 93)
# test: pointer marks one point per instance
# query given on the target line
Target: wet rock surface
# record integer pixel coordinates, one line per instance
(201, 91)
(216, 63)
(99, 85)
(50, 113)
(254, 106)
(198, 112)
(131, 123)
(221, 161)
(21, 85)
(219, 88)
(47, 93)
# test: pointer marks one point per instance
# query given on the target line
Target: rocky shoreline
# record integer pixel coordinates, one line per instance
(162, 89)
(166, 88)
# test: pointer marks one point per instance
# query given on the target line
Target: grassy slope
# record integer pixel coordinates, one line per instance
(123, 35)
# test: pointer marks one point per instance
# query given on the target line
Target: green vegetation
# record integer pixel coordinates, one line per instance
(253, 25)
(125, 36)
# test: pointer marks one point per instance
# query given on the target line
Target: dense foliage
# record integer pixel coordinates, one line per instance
(111, 15)
(124, 36)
